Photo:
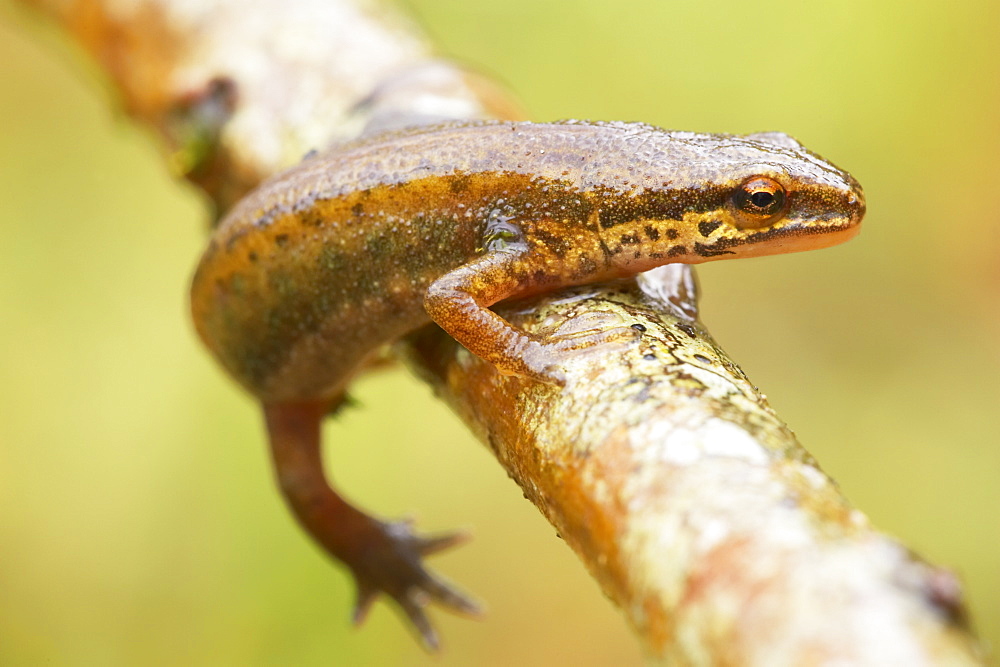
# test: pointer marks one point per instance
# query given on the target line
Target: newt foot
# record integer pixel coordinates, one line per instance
(392, 563)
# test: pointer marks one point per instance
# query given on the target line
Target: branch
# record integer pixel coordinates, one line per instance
(691, 503)
(660, 464)
(241, 89)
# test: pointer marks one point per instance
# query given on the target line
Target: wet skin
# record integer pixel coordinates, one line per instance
(320, 266)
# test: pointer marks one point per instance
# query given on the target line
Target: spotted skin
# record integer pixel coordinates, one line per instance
(311, 273)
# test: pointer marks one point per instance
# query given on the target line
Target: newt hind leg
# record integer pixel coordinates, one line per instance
(384, 557)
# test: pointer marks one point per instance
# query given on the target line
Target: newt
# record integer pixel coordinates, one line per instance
(323, 264)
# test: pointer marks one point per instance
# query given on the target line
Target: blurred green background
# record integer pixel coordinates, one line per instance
(138, 522)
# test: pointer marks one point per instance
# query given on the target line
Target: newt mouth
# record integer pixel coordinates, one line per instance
(791, 236)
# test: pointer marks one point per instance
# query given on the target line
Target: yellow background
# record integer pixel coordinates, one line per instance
(138, 523)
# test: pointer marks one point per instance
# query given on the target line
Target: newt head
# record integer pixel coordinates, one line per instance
(784, 199)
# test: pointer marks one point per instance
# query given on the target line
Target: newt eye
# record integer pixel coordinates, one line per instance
(758, 202)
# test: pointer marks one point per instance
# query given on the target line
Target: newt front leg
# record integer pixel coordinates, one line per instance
(459, 303)
(383, 557)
